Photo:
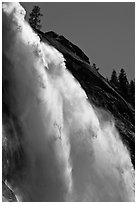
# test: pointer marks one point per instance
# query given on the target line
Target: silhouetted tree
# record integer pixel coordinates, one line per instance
(34, 19)
(114, 79)
(123, 84)
(132, 92)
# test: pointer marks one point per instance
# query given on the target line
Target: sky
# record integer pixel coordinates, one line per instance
(105, 31)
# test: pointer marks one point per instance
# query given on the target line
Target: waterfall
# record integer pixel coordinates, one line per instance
(62, 150)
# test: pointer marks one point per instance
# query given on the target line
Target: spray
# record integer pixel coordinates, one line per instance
(68, 153)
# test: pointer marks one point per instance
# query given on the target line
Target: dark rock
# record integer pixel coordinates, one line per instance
(66, 43)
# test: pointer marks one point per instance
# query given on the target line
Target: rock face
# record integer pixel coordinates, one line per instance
(99, 92)
(68, 45)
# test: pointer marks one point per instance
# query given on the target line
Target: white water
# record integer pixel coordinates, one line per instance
(71, 155)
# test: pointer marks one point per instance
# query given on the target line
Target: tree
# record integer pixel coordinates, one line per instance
(34, 19)
(114, 79)
(132, 92)
(123, 84)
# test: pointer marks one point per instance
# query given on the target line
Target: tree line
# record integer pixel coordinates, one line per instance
(121, 84)
(124, 87)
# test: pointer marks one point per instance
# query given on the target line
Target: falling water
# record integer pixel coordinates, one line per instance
(69, 154)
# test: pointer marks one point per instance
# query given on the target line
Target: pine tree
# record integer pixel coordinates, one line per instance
(124, 85)
(132, 92)
(34, 19)
(114, 79)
